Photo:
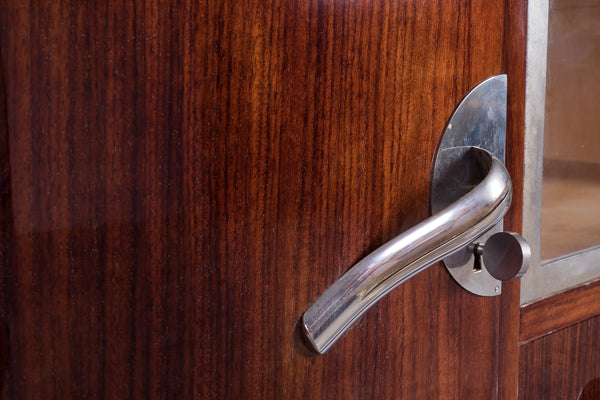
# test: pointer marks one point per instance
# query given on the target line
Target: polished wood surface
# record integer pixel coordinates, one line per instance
(562, 365)
(591, 391)
(187, 177)
(559, 311)
(5, 221)
(515, 33)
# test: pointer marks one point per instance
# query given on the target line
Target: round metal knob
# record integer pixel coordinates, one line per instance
(506, 255)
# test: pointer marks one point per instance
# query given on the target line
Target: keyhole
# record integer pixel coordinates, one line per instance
(477, 252)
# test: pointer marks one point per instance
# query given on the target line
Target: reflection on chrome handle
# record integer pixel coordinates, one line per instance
(411, 252)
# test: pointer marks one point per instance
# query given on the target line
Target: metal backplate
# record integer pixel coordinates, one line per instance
(480, 121)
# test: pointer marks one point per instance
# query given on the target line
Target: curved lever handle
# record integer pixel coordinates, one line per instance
(453, 228)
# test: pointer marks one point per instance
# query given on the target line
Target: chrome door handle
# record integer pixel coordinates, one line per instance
(453, 228)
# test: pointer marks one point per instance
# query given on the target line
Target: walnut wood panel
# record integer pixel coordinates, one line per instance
(559, 311)
(591, 391)
(560, 365)
(5, 220)
(187, 177)
(515, 26)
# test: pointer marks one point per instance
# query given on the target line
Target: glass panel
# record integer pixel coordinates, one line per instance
(571, 179)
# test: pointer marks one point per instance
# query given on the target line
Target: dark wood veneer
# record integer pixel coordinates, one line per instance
(515, 28)
(558, 366)
(187, 177)
(559, 311)
(6, 226)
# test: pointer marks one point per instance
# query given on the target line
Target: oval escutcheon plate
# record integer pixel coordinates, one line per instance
(479, 121)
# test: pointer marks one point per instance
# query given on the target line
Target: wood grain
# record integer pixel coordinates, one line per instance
(591, 391)
(6, 223)
(560, 365)
(187, 177)
(515, 32)
(560, 311)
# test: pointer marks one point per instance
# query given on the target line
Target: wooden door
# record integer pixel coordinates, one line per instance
(180, 180)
